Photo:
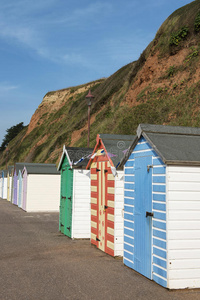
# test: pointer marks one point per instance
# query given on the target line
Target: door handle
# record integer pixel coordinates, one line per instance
(149, 167)
(149, 214)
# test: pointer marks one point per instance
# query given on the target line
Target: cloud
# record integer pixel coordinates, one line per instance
(6, 87)
(87, 13)
(28, 25)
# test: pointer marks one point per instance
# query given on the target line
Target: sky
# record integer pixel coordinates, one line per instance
(46, 45)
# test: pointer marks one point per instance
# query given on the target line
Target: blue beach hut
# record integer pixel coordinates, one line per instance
(17, 168)
(162, 205)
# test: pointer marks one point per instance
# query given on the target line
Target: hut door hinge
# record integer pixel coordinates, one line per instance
(70, 198)
(61, 225)
(105, 171)
(149, 167)
(63, 197)
(98, 170)
(68, 228)
(98, 240)
(105, 206)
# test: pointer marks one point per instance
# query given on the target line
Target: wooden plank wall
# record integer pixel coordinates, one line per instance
(183, 226)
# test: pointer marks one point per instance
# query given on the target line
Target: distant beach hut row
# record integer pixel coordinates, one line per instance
(132, 196)
(33, 187)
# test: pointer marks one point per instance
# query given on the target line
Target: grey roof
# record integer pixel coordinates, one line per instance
(5, 172)
(36, 168)
(116, 145)
(76, 153)
(181, 130)
(10, 169)
(19, 166)
(174, 144)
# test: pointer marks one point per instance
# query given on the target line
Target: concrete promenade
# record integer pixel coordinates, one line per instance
(39, 263)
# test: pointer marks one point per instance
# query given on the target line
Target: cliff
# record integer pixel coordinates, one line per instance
(161, 87)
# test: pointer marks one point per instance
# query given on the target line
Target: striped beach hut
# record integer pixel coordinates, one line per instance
(107, 192)
(75, 192)
(41, 186)
(162, 205)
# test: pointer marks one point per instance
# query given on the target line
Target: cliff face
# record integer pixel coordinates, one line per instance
(162, 87)
(53, 101)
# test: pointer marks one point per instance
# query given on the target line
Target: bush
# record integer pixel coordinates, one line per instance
(178, 36)
(197, 23)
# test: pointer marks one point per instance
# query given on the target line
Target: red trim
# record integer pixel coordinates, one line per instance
(93, 171)
(111, 197)
(93, 242)
(111, 183)
(94, 206)
(101, 158)
(94, 218)
(93, 230)
(89, 163)
(97, 243)
(94, 182)
(109, 171)
(110, 251)
(106, 213)
(111, 224)
(110, 238)
(94, 194)
(111, 210)
(100, 145)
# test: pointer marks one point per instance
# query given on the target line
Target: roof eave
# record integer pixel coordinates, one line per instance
(128, 153)
(90, 160)
(182, 163)
(154, 147)
(61, 159)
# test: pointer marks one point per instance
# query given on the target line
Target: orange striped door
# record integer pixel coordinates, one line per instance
(94, 202)
(102, 206)
(109, 210)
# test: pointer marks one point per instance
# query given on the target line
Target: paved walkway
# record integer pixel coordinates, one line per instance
(39, 263)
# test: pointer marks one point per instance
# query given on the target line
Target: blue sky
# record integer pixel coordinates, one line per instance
(47, 45)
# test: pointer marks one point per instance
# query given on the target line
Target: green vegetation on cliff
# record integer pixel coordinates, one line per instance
(132, 95)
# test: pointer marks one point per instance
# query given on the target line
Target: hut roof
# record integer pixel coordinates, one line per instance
(174, 144)
(36, 168)
(75, 155)
(115, 145)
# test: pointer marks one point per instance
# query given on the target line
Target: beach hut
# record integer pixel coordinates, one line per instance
(75, 192)
(162, 205)
(19, 188)
(10, 173)
(4, 184)
(18, 167)
(41, 186)
(1, 183)
(107, 192)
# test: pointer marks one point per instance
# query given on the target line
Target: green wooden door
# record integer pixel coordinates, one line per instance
(66, 198)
